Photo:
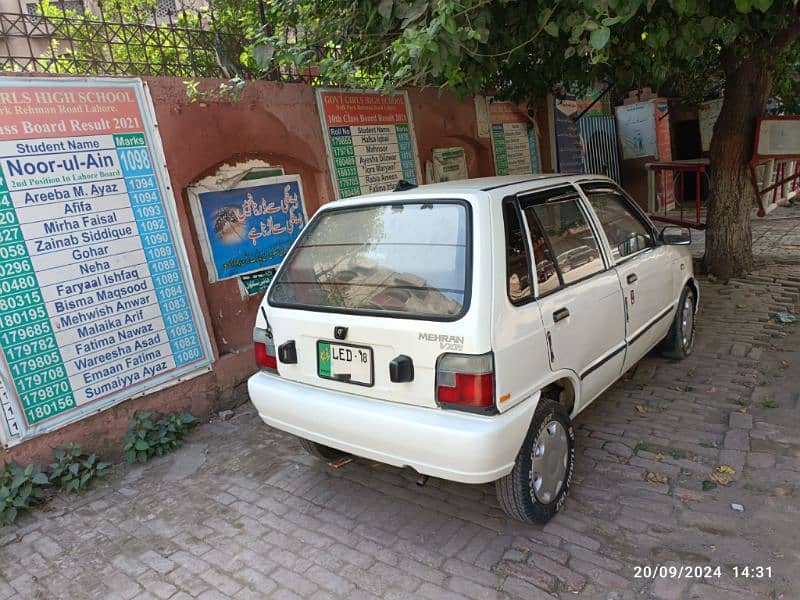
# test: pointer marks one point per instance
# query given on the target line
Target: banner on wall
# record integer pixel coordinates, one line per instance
(97, 303)
(256, 283)
(569, 147)
(370, 141)
(515, 144)
(637, 130)
(449, 164)
(250, 227)
(482, 118)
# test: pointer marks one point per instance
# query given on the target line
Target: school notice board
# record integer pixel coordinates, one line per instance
(370, 140)
(515, 146)
(636, 125)
(96, 299)
(248, 228)
(778, 137)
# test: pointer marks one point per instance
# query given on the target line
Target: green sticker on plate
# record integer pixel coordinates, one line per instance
(324, 350)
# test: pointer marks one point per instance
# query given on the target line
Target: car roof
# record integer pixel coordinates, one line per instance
(473, 187)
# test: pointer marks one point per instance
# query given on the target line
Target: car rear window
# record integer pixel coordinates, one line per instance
(408, 259)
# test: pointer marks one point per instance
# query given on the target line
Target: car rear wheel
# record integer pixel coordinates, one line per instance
(537, 486)
(325, 453)
(680, 340)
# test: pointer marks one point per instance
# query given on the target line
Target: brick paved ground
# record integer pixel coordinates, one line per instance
(241, 512)
(775, 237)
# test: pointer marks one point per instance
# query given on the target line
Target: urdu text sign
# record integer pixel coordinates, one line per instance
(251, 227)
(96, 303)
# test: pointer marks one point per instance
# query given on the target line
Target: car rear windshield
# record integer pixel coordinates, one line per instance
(407, 258)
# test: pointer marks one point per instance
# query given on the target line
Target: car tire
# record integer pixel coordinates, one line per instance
(537, 486)
(680, 340)
(316, 450)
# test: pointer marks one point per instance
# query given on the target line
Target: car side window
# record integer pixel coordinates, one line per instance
(545, 266)
(626, 232)
(570, 239)
(517, 270)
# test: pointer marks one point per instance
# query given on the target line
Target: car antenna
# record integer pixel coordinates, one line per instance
(404, 185)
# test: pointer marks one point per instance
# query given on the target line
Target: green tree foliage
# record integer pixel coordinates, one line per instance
(523, 48)
(691, 49)
(85, 43)
(787, 82)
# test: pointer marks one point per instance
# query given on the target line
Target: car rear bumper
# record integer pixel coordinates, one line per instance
(447, 444)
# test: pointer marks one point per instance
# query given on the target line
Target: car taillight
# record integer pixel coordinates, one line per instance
(466, 382)
(264, 359)
(265, 349)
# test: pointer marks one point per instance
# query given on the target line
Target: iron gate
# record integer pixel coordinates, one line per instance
(600, 154)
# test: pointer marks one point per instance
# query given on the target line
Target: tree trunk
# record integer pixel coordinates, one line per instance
(729, 245)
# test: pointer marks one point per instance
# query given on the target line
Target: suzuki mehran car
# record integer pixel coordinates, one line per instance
(458, 328)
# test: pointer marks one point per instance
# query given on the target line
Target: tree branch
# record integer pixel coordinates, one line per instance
(786, 37)
(509, 52)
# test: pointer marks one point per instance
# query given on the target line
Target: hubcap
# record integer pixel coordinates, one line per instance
(687, 328)
(549, 462)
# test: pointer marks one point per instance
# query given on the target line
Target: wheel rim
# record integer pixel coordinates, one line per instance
(549, 462)
(687, 325)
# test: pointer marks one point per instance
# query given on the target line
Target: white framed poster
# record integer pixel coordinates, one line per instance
(636, 125)
(370, 140)
(778, 137)
(448, 164)
(482, 120)
(97, 302)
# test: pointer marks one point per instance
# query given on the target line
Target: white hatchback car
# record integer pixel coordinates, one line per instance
(457, 328)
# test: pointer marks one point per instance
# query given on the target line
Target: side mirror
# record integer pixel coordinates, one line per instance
(676, 236)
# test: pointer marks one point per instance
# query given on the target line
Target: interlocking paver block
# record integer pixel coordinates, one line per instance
(738, 420)
(737, 439)
(220, 581)
(256, 580)
(761, 460)
(157, 562)
(530, 573)
(294, 581)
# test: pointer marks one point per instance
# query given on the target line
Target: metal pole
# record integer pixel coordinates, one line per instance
(697, 193)
(596, 100)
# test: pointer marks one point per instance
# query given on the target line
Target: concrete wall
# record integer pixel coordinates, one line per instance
(278, 123)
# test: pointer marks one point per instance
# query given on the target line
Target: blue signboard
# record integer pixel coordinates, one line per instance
(251, 227)
(568, 139)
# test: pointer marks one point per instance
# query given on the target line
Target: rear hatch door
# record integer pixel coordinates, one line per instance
(366, 285)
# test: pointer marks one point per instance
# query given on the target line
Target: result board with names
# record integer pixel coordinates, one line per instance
(370, 140)
(515, 145)
(96, 302)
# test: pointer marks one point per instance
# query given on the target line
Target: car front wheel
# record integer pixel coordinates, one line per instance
(680, 340)
(537, 486)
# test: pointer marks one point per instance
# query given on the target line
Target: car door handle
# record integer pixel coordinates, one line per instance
(632, 278)
(560, 314)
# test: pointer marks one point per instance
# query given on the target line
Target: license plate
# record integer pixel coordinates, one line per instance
(345, 362)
